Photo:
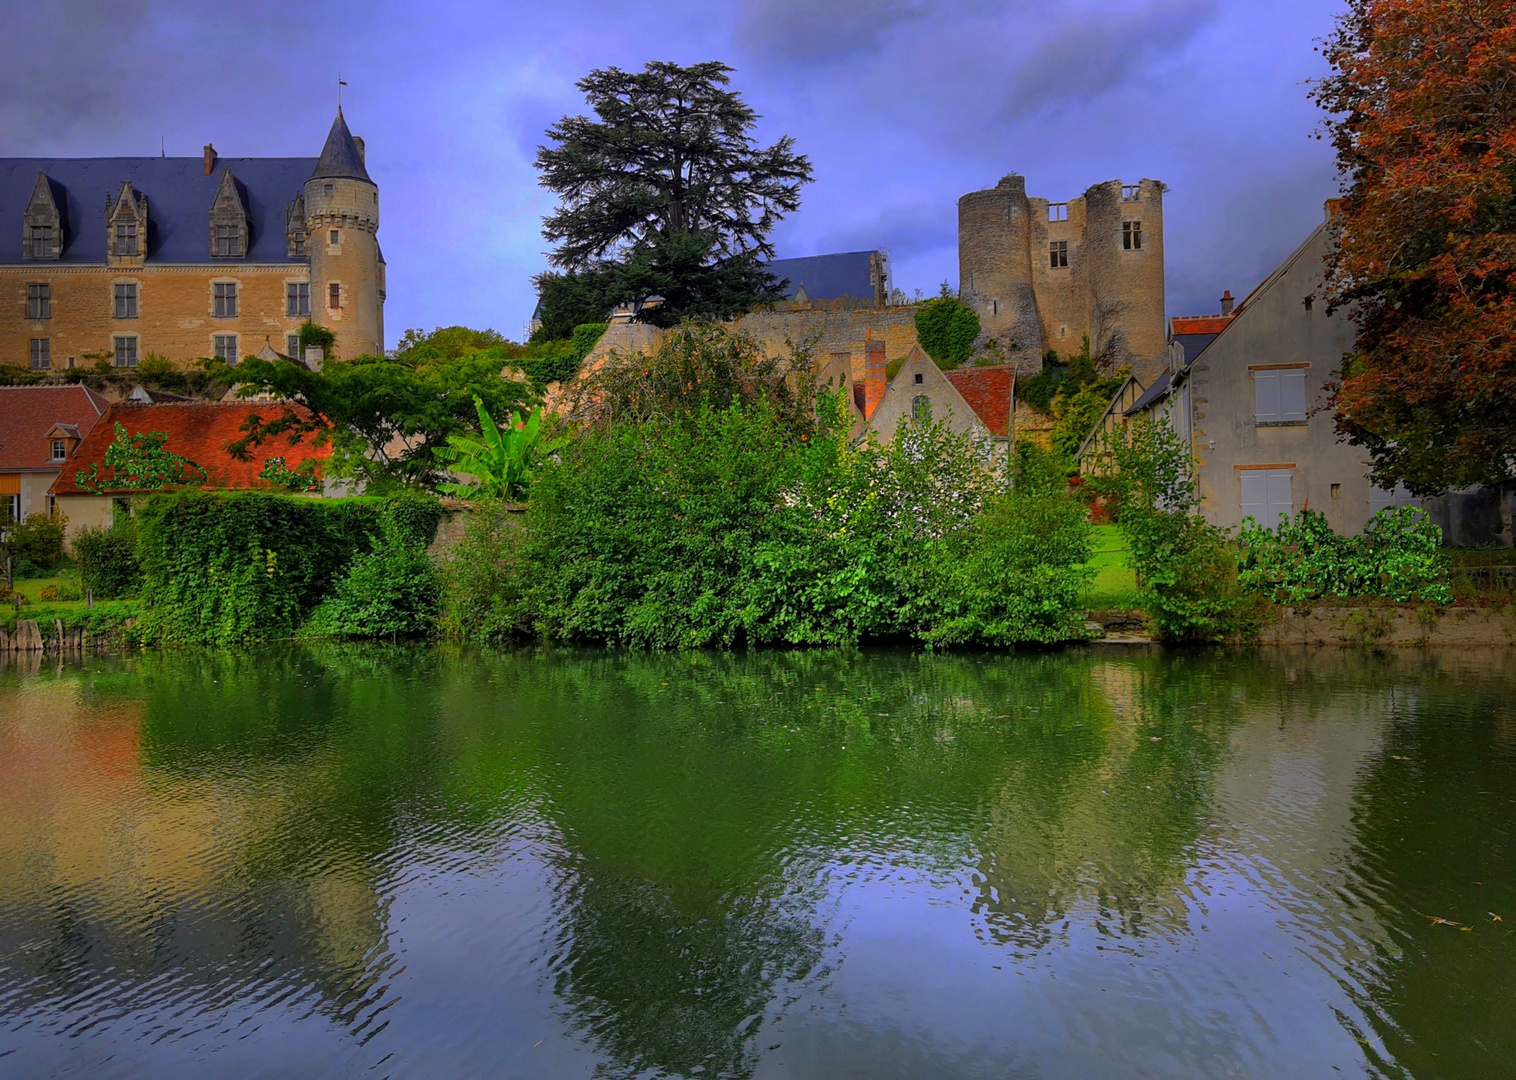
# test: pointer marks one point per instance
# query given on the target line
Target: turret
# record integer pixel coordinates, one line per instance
(995, 269)
(342, 225)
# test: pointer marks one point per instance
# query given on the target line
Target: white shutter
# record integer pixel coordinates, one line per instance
(1266, 396)
(1292, 395)
(1278, 495)
(1255, 497)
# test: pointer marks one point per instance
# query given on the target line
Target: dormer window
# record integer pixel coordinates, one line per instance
(228, 224)
(60, 449)
(41, 223)
(126, 218)
(126, 239)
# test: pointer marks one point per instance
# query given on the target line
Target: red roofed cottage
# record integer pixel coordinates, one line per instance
(41, 428)
(197, 430)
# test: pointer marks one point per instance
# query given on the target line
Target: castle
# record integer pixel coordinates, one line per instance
(117, 259)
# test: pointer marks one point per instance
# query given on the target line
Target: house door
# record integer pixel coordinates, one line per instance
(1265, 495)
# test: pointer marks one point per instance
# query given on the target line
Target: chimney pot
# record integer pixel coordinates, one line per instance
(210, 158)
(1226, 302)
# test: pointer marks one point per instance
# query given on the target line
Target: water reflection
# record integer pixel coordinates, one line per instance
(339, 859)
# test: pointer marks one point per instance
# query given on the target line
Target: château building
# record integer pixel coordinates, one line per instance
(119, 259)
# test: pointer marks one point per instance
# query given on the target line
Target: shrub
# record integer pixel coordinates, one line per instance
(1186, 570)
(1398, 556)
(107, 559)
(226, 566)
(946, 330)
(390, 590)
(1040, 389)
(481, 579)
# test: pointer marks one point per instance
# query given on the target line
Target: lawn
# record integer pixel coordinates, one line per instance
(31, 588)
(1114, 586)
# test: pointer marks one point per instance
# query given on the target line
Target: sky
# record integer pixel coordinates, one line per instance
(901, 105)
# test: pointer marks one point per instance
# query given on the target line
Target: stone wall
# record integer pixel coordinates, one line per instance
(175, 310)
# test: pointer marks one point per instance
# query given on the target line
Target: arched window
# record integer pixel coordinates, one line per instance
(921, 407)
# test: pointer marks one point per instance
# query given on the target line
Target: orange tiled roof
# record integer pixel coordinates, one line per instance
(199, 431)
(1200, 324)
(989, 391)
(28, 413)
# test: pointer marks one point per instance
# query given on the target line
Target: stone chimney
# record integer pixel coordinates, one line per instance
(873, 375)
(1226, 302)
(210, 158)
(362, 153)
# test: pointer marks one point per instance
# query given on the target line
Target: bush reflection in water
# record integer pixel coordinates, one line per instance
(707, 864)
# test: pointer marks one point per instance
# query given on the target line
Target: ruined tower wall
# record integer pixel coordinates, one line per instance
(995, 274)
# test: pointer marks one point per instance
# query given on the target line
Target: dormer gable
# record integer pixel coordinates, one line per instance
(42, 223)
(296, 235)
(60, 442)
(228, 224)
(126, 225)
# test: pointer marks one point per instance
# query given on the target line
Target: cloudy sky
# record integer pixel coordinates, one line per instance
(902, 105)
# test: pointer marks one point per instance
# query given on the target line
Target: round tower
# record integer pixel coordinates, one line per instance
(342, 226)
(995, 267)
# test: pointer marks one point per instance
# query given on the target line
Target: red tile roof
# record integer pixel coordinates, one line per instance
(199, 431)
(28, 413)
(1200, 324)
(989, 391)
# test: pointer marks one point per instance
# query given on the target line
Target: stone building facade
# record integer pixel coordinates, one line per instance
(1043, 274)
(118, 259)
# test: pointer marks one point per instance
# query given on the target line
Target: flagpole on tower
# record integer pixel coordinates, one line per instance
(340, 84)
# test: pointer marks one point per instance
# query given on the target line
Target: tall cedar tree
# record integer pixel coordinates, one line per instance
(1422, 107)
(664, 193)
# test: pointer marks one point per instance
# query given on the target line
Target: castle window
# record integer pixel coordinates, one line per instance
(994, 307)
(1130, 193)
(1058, 253)
(1058, 211)
(334, 296)
(334, 237)
(39, 300)
(126, 300)
(60, 450)
(126, 239)
(328, 188)
(42, 354)
(297, 298)
(297, 245)
(40, 242)
(126, 350)
(226, 348)
(1131, 235)
(225, 297)
(228, 242)
(292, 345)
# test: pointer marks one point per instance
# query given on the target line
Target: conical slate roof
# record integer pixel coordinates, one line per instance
(340, 157)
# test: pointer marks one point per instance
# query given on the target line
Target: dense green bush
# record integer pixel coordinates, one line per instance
(481, 579)
(1398, 556)
(38, 540)
(225, 566)
(107, 559)
(946, 330)
(1185, 567)
(387, 591)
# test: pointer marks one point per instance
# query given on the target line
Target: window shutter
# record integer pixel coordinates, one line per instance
(1278, 495)
(1292, 395)
(1266, 396)
(1254, 497)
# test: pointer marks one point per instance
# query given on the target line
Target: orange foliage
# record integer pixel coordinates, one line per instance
(1423, 117)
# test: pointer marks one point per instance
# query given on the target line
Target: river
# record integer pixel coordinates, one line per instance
(413, 862)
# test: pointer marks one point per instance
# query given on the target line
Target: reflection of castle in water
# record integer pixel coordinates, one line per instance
(111, 872)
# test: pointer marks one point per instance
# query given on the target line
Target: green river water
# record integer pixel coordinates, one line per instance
(403, 861)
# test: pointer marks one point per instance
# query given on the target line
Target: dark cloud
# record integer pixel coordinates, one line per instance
(791, 30)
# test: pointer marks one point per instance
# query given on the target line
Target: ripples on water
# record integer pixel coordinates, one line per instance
(375, 861)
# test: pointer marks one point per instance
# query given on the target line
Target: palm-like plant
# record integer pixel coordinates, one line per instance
(502, 463)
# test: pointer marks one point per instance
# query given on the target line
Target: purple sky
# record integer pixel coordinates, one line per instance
(902, 105)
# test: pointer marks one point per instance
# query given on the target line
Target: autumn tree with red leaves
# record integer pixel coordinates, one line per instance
(1422, 112)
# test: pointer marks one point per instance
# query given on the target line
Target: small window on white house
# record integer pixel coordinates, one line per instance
(1265, 495)
(1279, 396)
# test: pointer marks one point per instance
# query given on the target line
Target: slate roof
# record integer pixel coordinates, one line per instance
(197, 430)
(179, 198)
(989, 391)
(827, 277)
(339, 158)
(28, 413)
